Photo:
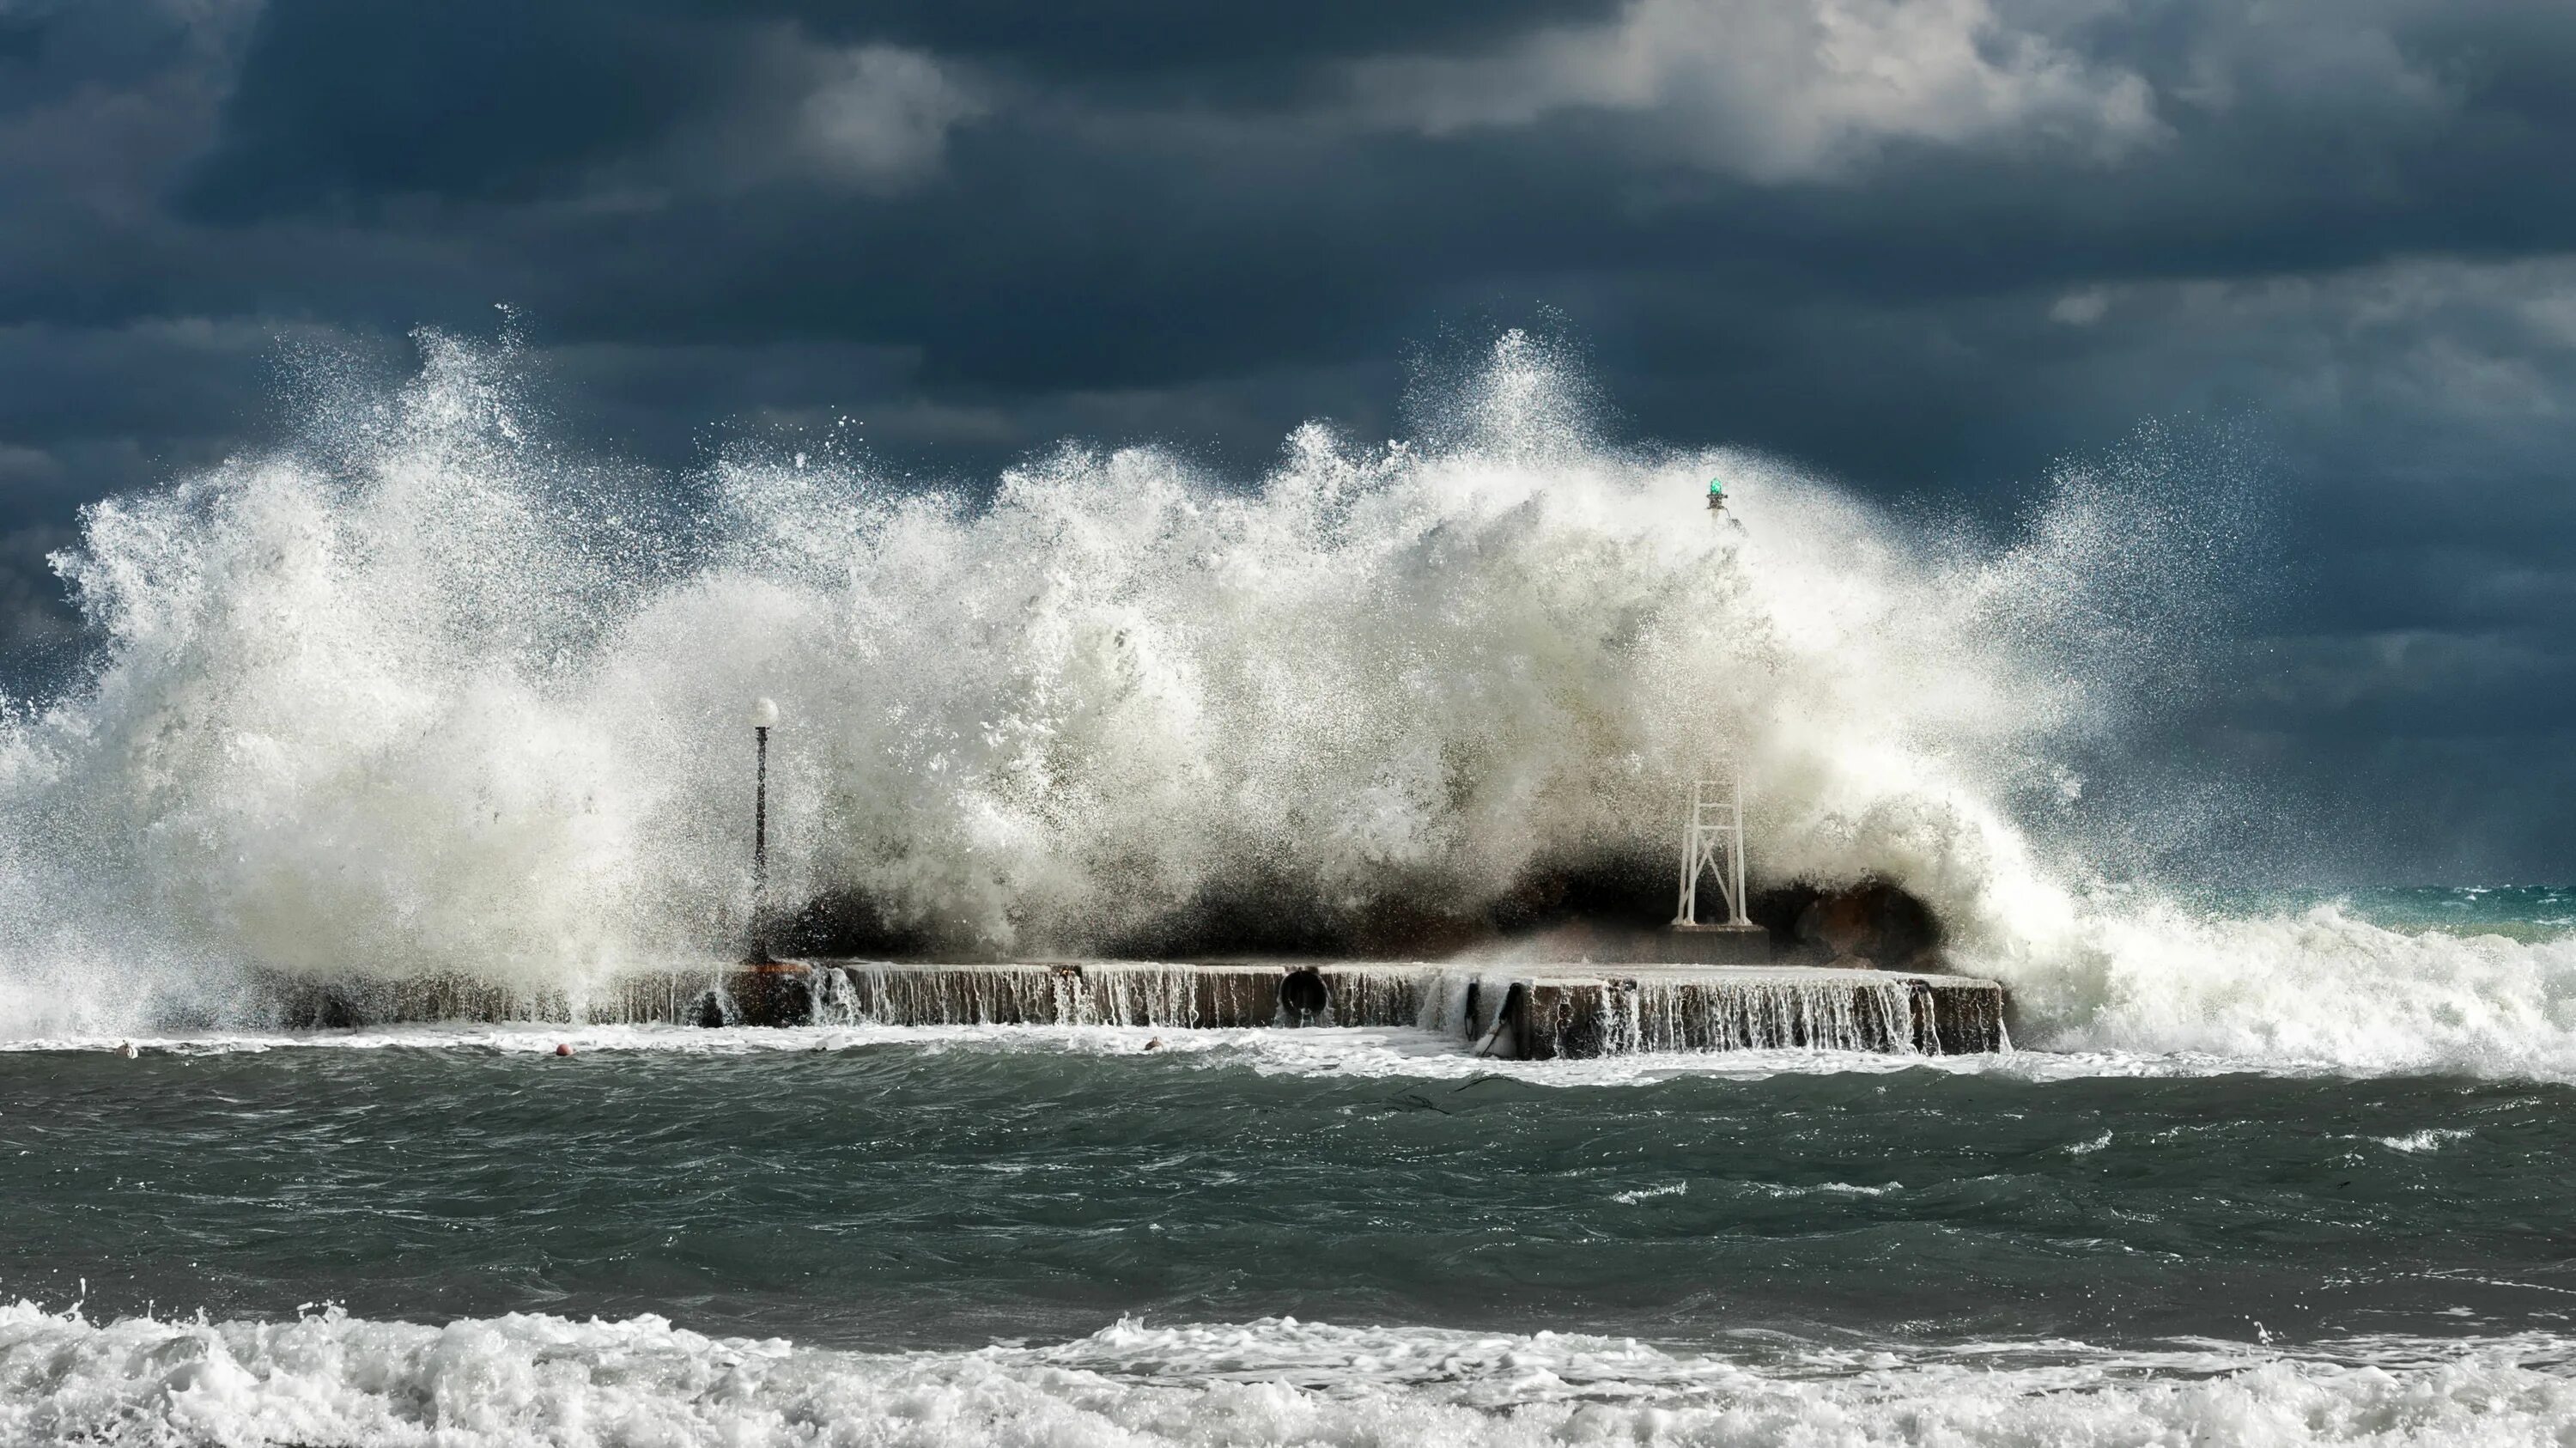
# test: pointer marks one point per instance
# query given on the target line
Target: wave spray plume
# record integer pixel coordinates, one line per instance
(422, 693)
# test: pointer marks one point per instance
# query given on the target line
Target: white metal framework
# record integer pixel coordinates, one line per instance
(1713, 843)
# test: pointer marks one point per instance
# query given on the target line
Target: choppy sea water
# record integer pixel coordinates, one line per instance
(1106, 1236)
(2516, 912)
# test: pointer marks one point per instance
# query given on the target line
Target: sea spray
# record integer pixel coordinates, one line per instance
(395, 700)
(418, 695)
(2319, 988)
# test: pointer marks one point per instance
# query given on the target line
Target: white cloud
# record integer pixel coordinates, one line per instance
(2471, 346)
(1781, 91)
(881, 115)
(2332, 54)
(2081, 309)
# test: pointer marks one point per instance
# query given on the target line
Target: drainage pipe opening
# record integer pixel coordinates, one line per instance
(1304, 996)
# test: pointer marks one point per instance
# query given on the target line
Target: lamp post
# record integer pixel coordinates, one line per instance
(764, 717)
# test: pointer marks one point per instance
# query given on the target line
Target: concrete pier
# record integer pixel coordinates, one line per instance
(1529, 1011)
(1580, 1012)
(1712, 945)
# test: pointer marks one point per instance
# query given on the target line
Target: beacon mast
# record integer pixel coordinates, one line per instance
(1713, 833)
(1713, 845)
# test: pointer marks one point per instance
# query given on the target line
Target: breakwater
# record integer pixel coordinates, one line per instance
(1539, 1012)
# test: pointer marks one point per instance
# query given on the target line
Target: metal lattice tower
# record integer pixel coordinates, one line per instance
(1713, 843)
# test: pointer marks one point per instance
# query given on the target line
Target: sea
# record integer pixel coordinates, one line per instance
(428, 692)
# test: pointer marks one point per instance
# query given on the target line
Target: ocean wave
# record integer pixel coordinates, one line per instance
(2316, 987)
(531, 1379)
(421, 693)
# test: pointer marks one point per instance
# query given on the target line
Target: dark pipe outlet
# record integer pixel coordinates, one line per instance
(1304, 996)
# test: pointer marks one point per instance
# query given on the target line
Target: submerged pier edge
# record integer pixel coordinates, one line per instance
(1519, 1010)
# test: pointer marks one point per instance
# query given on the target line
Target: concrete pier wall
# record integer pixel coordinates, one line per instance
(1537, 1012)
(678, 997)
(1119, 993)
(1680, 1008)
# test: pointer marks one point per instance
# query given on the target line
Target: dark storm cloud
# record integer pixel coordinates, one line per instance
(492, 100)
(1962, 242)
(1124, 38)
(335, 103)
(1064, 242)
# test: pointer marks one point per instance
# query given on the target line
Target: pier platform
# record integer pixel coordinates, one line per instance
(1534, 1011)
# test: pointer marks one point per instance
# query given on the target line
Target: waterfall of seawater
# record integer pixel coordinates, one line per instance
(1549, 1014)
(1107, 993)
(1764, 1010)
(1893, 1016)
(1760, 1015)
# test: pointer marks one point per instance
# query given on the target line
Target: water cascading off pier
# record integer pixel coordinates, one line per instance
(1534, 1012)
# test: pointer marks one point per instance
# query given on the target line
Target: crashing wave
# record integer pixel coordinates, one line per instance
(419, 695)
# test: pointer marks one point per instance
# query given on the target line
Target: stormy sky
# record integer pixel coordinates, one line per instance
(1934, 248)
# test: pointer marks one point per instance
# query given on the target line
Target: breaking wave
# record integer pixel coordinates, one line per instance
(421, 693)
(530, 1379)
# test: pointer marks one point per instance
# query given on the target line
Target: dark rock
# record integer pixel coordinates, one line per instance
(1873, 923)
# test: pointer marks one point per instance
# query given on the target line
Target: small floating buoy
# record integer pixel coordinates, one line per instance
(562, 1050)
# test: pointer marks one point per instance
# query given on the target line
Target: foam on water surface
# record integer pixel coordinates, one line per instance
(533, 1379)
(1392, 1053)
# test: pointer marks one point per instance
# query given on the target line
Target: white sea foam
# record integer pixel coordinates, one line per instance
(420, 695)
(535, 1380)
(1827, 1189)
(2315, 989)
(2429, 1139)
(1360, 1053)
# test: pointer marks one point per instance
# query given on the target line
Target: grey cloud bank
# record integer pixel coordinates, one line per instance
(1933, 247)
